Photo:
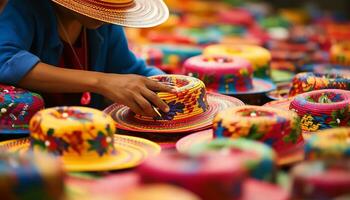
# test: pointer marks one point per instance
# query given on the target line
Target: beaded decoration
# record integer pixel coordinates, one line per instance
(259, 57)
(305, 82)
(322, 109)
(17, 106)
(279, 129)
(329, 144)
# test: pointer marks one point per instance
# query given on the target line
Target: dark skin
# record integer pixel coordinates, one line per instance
(134, 91)
(2, 4)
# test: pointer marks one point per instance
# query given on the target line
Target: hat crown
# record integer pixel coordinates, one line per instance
(73, 132)
(189, 100)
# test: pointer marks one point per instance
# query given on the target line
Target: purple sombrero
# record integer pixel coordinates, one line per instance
(191, 108)
(17, 106)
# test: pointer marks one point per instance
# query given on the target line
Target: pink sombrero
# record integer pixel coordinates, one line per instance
(286, 158)
(191, 108)
(130, 13)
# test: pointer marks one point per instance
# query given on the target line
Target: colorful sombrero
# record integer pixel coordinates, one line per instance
(319, 109)
(210, 176)
(17, 106)
(191, 108)
(277, 128)
(185, 144)
(230, 75)
(322, 109)
(305, 82)
(309, 81)
(84, 139)
(328, 144)
(321, 179)
(259, 158)
(130, 13)
(259, 57)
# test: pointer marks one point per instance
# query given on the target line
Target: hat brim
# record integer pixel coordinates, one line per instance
(287, 157)
(125, 119)
(281, 103)
(259, 86)
(131, 151)
(141, 14)
(282, 91)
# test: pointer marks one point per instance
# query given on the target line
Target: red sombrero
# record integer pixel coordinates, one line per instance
(130, 13)
(191, 108)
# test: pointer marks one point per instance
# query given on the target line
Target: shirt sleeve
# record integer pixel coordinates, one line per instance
(122, 60)
(16, 36)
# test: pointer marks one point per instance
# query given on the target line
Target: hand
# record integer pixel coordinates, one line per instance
(136, 92)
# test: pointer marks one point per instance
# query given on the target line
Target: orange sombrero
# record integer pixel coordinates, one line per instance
(130, 13)
(191, 108)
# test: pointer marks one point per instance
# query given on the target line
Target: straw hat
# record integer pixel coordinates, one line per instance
(130, 13)
(191, 108)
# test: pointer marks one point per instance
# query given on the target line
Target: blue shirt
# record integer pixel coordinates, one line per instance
(28, 35)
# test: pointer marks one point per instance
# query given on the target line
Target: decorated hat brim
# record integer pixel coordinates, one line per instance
(125, 120)
(137, 13)
(130, 152)
(260, 86)
(288, 157)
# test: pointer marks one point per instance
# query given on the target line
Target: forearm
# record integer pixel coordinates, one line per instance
(47, 78)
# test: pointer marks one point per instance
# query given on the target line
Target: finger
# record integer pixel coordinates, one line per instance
(155, 100)
(146, 106)
(134, 106)
(159, 87)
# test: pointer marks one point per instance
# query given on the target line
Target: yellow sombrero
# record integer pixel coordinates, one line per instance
(191, 108)
(84, 139)
(130, 13)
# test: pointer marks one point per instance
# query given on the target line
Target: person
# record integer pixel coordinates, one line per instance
(2, 4)
(66, 50)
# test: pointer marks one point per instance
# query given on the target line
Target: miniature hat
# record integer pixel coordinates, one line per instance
(321, 179)
(279, 129)
(187, 143)
(308, 81)
(84, 139)
(17, 106)
(130, 13)
(229, 75)
(328, 144)
(259, 57)
(322, 109)
(191, 108)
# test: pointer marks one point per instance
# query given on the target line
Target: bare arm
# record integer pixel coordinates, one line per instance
(132, 90)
